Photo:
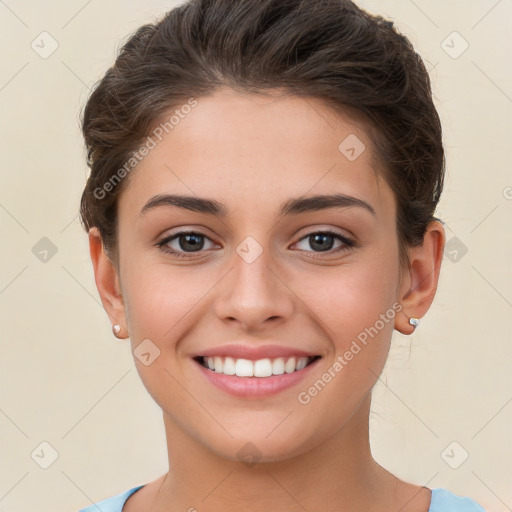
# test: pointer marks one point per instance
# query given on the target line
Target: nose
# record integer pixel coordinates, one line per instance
(254, 294)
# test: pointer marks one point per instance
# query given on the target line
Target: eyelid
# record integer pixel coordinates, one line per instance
(322, 228)
(327, 228)
(309, 232)
(185, 231)
(347, 242)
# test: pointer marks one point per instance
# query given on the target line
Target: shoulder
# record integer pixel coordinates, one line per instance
(445, 501)
(113, 504)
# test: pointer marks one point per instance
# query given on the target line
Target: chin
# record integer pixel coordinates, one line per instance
(258, 443)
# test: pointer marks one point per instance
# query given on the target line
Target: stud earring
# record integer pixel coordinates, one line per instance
(414, 322)
(116, 329)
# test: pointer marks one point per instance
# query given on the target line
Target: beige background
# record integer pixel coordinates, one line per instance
(68, 382)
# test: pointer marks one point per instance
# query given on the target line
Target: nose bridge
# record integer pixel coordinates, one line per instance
(253, 267)
(254, 291)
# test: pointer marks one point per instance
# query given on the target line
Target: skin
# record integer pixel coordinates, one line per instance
(252, 153)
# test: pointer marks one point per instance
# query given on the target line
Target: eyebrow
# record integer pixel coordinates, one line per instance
(292, 206)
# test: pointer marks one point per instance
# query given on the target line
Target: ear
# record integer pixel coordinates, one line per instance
(419, 282)
(107, 282)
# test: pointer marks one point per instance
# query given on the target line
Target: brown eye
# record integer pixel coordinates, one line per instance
(185, 242)
(323, 241)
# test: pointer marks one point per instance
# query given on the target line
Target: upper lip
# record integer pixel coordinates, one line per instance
(240, 351)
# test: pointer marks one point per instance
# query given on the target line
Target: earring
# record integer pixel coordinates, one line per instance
(414, 322)
(116, 329)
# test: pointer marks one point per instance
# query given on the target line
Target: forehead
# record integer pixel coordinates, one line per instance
(251, 149)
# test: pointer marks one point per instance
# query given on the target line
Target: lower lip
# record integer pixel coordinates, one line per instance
(258, 387)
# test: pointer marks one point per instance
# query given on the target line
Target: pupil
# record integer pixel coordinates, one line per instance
(317, 239)
(192, 240)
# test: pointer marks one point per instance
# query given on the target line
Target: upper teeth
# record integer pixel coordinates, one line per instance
(259, 368)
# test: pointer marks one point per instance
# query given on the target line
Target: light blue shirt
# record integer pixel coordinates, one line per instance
(442, 501)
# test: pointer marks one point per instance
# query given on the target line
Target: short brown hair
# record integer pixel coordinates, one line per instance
(328, 49)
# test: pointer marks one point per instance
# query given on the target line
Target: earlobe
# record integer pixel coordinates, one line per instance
(107, 282)
(419, 285)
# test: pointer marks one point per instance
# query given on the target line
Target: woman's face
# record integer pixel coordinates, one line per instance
(257, 276)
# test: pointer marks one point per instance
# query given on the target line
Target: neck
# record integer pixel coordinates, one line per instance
(338, 474)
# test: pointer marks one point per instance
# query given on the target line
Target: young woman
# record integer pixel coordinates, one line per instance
(260, 210)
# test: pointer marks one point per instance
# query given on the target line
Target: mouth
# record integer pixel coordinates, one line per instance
(261, 368)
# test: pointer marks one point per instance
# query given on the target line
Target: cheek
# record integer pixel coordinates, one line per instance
(352, 298)
(160, 298)
(164, 306)
(355, 307)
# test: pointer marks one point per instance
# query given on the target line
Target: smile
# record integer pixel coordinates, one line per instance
(260, 368)
(255, 379)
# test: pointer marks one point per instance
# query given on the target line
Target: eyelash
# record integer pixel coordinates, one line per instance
(347, 243)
